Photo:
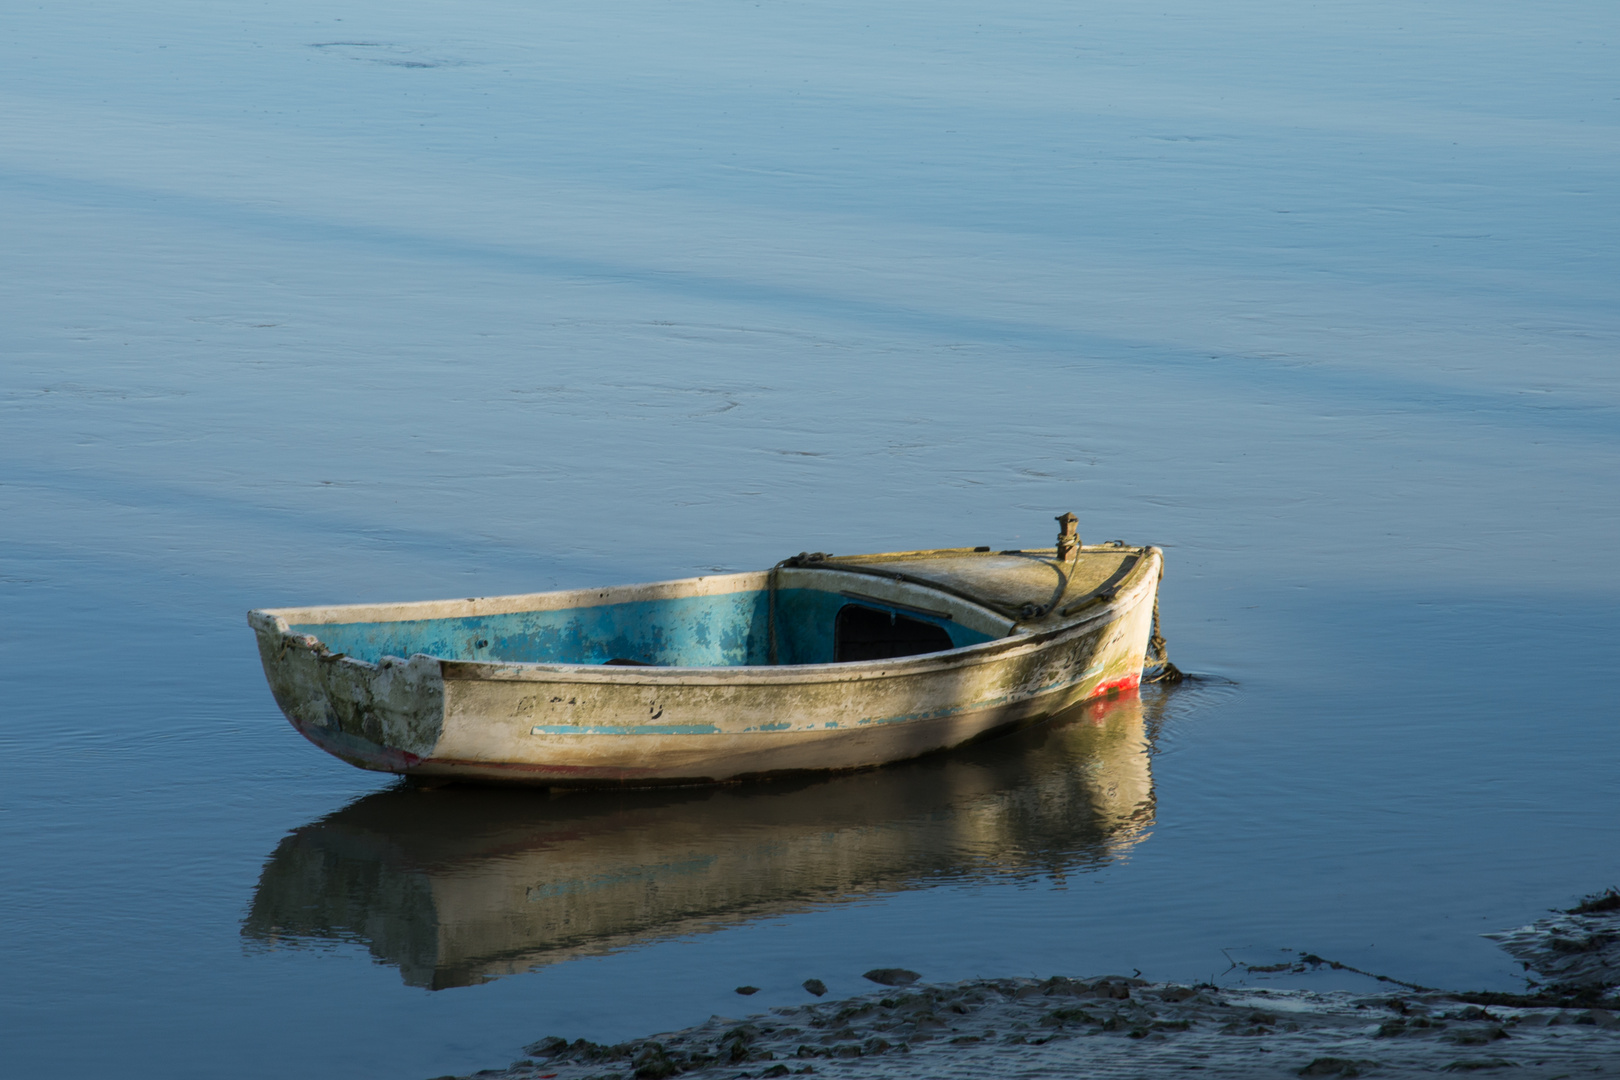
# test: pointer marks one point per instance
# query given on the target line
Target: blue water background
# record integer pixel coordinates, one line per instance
(360, 302)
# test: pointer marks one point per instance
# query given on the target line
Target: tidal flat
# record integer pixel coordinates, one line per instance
(1109, 1027)
(323, 303)
(1564, 1025)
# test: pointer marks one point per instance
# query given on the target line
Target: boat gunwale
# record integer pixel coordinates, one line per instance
(514, 603)
(1039, 633)
(673, 589)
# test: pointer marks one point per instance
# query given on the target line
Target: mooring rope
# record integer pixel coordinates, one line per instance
(1159, 652)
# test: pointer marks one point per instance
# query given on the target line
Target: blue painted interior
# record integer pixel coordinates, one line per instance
(696, 631)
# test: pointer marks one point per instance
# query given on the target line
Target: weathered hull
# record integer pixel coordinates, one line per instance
(586, 724)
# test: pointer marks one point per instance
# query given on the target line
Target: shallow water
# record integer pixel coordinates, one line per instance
(314, 304)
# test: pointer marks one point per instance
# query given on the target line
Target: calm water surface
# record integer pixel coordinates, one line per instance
(353, 302)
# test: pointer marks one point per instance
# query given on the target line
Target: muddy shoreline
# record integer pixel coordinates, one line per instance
(1567, 1025)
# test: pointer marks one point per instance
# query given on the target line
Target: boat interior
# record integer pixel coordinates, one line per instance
(813, 610)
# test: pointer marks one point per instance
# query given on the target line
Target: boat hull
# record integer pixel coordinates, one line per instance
(578, 725)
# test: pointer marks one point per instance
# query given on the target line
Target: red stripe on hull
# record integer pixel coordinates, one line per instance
(1117, 686)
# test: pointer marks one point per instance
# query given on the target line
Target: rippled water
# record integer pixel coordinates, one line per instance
(309, 303)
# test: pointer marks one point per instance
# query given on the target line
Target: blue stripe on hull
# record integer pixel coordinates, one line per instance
(624, 729)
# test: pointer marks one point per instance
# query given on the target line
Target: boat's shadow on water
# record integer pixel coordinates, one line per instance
(461, 885)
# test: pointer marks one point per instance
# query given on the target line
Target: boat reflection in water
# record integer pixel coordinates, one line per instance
(457, 886)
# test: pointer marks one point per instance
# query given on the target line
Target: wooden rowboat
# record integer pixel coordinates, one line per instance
(821, 662)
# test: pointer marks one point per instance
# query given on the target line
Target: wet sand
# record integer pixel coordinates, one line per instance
(1109, 1027)
(1113, 1026)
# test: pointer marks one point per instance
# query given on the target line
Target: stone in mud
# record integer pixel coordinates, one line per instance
(587, 1051)
(550, 1046)
(746, 991)
(853, 1012)
(892, 976)
(1117, 987)
(652, 1063)
(1059, 1017)
(1597, 904)
(815, 986)
(1574, 950)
